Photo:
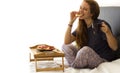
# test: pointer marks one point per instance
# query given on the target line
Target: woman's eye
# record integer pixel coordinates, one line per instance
(85, 9)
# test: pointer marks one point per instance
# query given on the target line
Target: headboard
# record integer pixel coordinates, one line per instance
(112, 16)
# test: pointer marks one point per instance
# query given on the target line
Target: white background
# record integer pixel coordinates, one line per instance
(24, 23)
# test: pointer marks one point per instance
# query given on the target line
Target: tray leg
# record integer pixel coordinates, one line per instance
(63, 63)
(36, 64)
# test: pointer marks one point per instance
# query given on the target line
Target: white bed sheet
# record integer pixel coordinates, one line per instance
(107, 67)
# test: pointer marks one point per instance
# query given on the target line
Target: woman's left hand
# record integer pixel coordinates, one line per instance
(105, 28)
(112, 41)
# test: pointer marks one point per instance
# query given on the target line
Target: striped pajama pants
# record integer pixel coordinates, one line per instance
(83, 58)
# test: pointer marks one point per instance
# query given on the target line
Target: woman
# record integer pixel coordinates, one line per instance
(95, 42)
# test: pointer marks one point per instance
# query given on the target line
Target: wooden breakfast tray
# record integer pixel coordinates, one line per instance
(46, 55)
(52, 53)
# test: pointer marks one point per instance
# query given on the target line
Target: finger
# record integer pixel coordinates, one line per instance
(102, 23)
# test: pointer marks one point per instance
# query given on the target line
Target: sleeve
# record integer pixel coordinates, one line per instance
(118, 50)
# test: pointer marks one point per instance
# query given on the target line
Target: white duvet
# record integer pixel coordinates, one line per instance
(107, 67)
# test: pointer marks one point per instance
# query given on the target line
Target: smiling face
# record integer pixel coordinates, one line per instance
(85, 11)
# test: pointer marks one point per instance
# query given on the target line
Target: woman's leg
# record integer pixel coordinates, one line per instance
(86, 57)
(70, 52)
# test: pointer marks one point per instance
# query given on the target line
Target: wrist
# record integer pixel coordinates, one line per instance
(108, 33)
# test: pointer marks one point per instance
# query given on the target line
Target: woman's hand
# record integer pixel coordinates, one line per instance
(112, 41)
(73, 17)
(105, 28)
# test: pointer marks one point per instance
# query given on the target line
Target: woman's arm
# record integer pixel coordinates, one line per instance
(112, 41)
(69, 38)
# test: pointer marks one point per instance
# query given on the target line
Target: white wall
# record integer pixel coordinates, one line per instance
(108, 2)
(24, 23)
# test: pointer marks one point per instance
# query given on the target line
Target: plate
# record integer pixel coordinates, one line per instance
(43, 50)
(44, 47)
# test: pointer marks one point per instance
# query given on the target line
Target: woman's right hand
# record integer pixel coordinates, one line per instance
(73, 17)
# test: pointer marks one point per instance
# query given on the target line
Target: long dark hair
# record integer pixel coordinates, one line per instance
(81, 31)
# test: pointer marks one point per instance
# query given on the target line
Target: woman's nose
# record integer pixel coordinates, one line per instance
(80, 11)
